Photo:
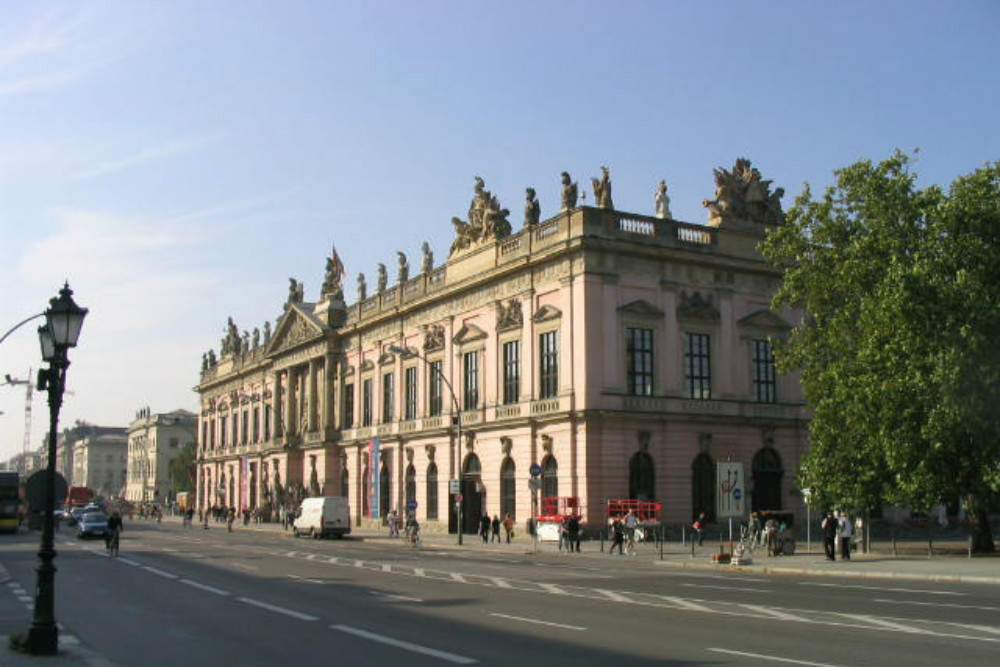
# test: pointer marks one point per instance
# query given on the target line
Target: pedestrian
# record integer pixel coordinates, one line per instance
(699, 527)
(573, 530)
(230, 518)
(845, 531)
(495, 529)
(617, 536)
(484, 527)
(771, 535)
(829, 527)
(393, 523)
(508, 526)
(563, 535)
(631, 521)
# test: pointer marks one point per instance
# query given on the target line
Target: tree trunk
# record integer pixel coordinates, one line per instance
(982, 535)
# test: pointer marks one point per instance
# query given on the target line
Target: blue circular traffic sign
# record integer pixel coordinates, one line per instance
(411, 504)
(535, 470)
(737, 493)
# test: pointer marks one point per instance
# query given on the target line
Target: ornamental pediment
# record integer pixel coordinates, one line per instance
(467, 334)
(295, 328)
(367, 365)
(641, 308)
(509, 315)
(765, 320)
(386, 358)
(697, 307)
(545, 314)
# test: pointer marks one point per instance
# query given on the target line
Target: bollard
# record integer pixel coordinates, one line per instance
(970, 546)
(930, 546)
(602, 541)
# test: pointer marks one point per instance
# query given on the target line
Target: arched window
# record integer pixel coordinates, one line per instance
(550, 477)
(767, 473)
(703, 487)
(432, 491)
(641, 477)
(384, 490)
(508, 489)
(411, 485)
(366, 491)
(344, 479)
(472, 468)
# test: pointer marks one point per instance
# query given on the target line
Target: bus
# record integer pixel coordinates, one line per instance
(10, 501)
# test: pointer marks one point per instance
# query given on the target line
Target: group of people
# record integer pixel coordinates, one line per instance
(622, 529)
(489, 529)
(837, 530)
(569, 534)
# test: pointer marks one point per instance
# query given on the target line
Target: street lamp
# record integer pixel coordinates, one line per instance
(63, 321)
(396, 349)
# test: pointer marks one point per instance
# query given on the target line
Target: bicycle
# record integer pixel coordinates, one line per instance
(414, 539)
(630, 546)
(112, 545)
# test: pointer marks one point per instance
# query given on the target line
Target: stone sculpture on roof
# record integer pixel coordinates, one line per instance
(532, 209)
(427, 264)
(602, 190)
(662, 200)
(404, 269)
(743, 198)
(383, 278)
(487, 220)
(296, 292)
(362, 287)
(569, 193)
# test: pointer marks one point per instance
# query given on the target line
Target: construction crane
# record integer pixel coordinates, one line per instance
(27, 414)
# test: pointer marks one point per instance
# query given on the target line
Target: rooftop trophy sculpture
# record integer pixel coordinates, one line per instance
(569, 193)
(662, 201)
(362, 287)
(296, 292)
(332, 287)
(427, 264)
(383, 278)
(744, 199)
(487, 220)
(602, 190)
(403, 274)
(532, 209)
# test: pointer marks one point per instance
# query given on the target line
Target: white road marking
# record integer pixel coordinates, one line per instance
(204, 587)
(459, 578)
(611, 595)
(244, 566)
(685, 604)
(306, 579)
(538, 622)
(392, 596)
(772, 658)
(552, 588)
(416, 648)
(419, 572)
(881, 623)
(279, 610)
(985, 628)
(129, 561)
(938, 604)
(727, 588)
(332, 560)
(159, 573)
(500, 583)
(773, 613)
(386, 567)
(877, 588)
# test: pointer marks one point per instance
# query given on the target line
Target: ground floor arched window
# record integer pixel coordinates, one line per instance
(767, 474)
(366, 491)
(703, 487)
(432, 491)
(411, 486)
(384, 490)
(641, 477)
(508, 488)
(550, 477)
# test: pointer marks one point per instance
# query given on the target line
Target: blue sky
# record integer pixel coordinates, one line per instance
(178, 162)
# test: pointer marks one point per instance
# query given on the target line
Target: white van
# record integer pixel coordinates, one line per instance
(323, 516)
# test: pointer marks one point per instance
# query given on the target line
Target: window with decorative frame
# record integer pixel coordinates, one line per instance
(435, 386)
(470, 380)
(366, 402)
(432, 491)
(548, 364)
(388, 397)
(764, 376)
(639, 361)
(347, 418)
(697, 366)
(410, 393)
(511, 372)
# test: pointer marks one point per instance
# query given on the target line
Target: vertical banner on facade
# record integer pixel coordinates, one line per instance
(730, 489)
(373, 477)
(245, 482)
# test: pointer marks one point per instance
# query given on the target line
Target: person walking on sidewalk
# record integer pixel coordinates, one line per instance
(573, 530)
(484, 527)
(699, 527)
(508, 526)
(845, 531)
(495, 529)
(829, 527)
(618, 536)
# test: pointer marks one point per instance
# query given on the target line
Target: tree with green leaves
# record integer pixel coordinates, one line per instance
(899, 343)
(183, 469)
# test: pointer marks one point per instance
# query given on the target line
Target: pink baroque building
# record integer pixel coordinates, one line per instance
(625, 355)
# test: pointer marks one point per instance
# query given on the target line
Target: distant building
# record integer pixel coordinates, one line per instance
(99, 460)
(625, 355)
(154, 440)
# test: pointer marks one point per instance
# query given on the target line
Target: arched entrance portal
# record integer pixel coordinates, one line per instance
(473, 493)
(767, 473)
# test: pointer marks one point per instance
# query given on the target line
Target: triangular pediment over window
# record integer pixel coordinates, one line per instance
(467, 334)
(367, 365)
(697, 307)
(641, 308)
(766, 321)
(297, 326)
(546, 313)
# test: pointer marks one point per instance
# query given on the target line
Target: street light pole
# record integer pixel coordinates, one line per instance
(396, 349)
(64, 319)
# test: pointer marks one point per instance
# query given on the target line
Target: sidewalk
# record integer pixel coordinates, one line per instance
(912, 563)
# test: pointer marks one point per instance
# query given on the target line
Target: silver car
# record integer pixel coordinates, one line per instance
(92, 524)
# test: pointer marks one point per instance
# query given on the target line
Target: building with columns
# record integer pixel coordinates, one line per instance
(624, 354)
(154, 440)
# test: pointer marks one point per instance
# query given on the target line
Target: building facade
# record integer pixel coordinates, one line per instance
(100, 460)
(154, 440)
(625, 355)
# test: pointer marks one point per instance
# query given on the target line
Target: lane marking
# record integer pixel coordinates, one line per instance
(726, 588)
(159, 573)
(459, 578)
(244, 566)
(386, 567)
(774, 613)
(500, 583)
(393, 596)
(419, 572)
(408, 646)
(772, 658)
(937, 604)
(129, 561)
(882, 623)
(612, 595)
(204, 587)
(552, 588)
(538, 622)
(685, 604)
(279, 610)
(877, 588)
(306, 579)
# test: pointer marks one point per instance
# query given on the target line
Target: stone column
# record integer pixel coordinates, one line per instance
(313, 410)
(276, 405)
(330, 393)
(289, 398)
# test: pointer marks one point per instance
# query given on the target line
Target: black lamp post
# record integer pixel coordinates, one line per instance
(63, 321)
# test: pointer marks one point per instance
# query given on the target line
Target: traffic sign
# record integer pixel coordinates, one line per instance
(411, 504)
(535, 470)
(458, 497)
(454, 486)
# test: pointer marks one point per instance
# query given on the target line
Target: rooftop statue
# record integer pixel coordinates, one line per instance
(487, 220)
(296, 292)
(743, 198)
(602, 190)
(427, 265)
(569, 193)
(532, 209)
(334, 273)
(404, 269)
(383, 278)
(662, 201)
(362, 287)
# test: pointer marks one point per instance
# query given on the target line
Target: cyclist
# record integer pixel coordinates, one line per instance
(413, 531)
(113, 534)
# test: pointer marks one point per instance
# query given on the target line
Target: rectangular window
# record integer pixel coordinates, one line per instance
(366, 403)
(697, 366)
(470, 371)
(236, 430)
(256, 424)
(267, 422)
(432, 492)
(548, 369)
(410, 406)
(245, 429)
(639, 361)
(348, 416)
(222, 432)
(388, 394)
(434, 389)
(511, 372)
(764, 378)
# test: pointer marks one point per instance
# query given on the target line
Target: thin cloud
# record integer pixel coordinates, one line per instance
(142, 157)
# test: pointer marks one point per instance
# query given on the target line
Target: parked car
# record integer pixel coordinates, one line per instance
(75, 514)
(92, 524)
(323, 516)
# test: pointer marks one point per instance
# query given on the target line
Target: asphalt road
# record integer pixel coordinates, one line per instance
(187, 596)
